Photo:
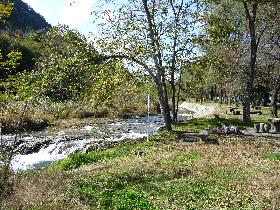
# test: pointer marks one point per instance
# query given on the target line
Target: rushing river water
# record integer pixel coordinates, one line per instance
(41, 148)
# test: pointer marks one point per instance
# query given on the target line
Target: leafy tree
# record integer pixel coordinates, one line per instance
(26, 51)
(63, 69)
(245, 24)
(5, 11)
(10, 63)
(154, 36)
(269, 72)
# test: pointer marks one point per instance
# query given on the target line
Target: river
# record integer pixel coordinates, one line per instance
(38, 149)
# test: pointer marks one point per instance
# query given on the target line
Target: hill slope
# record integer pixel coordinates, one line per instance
(24, 18)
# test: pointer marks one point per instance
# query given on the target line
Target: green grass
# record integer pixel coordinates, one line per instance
(150, 189)
(181, 158)
(273, 156)
(74, 161)
(196, 125)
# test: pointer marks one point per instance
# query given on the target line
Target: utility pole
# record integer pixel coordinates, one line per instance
(149, 106)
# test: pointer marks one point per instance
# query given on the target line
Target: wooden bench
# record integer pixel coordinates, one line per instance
(232, 110)
(256, 112)
(257, 107)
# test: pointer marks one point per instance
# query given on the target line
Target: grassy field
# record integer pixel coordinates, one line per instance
(167, 172)
(266, 112)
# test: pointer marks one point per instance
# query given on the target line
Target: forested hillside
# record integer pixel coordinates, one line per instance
(25, 19)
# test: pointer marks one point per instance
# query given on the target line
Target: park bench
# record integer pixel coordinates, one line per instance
(233, 111)
(256, 112)
(257, 107)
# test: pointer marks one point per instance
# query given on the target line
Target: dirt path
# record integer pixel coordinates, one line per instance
(196, 110)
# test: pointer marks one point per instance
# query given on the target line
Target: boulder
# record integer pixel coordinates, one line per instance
(203, 134)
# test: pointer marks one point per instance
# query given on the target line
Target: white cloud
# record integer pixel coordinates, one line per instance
(76, 12)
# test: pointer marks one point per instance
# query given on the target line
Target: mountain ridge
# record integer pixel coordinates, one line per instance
(25, 18)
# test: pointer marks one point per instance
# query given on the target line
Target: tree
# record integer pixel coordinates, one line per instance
(155, 36)
(270, 55)
(249, 25)
(11, 59)
(11, 62)
(5, 11)
(63, 70)
(251, 16)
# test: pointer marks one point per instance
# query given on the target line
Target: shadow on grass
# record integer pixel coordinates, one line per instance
(200, 124)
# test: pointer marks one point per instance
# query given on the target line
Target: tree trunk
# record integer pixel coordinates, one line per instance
(274, 108)
(265, 99)
(215, 93)
(164, 109)
(221, 97)
(178, 95)
(246, 108)
(250, 72)
(212, 93)
(236, 100)
(201, 96)
(163, 100)
(158, 60)
(227, 100)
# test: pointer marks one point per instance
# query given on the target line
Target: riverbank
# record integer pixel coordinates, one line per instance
(70, 136)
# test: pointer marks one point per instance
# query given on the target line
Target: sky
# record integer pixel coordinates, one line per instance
(75, 13)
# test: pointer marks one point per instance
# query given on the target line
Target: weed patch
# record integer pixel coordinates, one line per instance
(77, 160)
(112, 193)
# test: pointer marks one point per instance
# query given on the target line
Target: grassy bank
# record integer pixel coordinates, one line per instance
(164, 173)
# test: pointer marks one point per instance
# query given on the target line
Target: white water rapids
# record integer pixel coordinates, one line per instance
(76, 139)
